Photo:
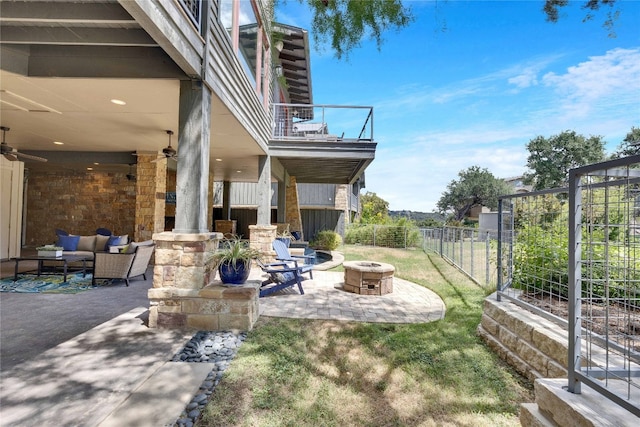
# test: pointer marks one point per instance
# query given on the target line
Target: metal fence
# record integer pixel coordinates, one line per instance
(386, 236)
(573, 256)
(472, 251)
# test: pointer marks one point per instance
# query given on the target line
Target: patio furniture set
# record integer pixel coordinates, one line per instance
(110, 257)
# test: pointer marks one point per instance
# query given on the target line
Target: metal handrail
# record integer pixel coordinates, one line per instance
(313, 121)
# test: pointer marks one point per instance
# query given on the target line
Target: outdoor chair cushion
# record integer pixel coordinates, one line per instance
(86, 243)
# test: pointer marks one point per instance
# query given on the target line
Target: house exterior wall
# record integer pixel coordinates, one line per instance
(318, 195)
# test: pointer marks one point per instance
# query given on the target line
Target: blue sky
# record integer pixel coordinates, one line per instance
(472, 82)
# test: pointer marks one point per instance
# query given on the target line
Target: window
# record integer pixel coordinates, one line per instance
(226, 15)
(243, 26)
(248, 38)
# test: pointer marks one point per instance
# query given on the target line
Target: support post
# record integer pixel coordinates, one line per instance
(192, 184)
(226, 200)
(264, 190)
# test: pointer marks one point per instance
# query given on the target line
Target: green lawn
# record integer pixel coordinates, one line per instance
(330, 373)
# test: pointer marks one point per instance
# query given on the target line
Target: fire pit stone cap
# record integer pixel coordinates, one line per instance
(368, 266)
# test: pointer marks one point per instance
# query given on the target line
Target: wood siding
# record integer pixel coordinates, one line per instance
(317, 195)
(314, 220)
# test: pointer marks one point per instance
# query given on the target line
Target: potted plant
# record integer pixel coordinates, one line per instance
(50, 251)
(234, 260)
(285, 236)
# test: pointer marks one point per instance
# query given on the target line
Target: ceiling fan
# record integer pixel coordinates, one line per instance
(11, 153)
(169, 152)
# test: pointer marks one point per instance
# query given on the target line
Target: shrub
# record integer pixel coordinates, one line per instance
(326, 240)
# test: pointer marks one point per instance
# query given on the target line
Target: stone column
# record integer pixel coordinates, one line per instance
(261, 238)
(185, 293)
(293, 216)
(151, 186)
(192, 182)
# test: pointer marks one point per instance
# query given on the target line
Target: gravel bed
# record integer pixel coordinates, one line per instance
(217, 348)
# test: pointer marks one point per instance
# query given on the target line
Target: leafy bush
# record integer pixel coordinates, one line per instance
(541, 251)
(327, 240)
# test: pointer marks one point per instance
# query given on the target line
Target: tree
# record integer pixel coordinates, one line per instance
(476, 187)
(345, 23)
(551, 9)
(630, 145)
(551, 159)
(375, 210)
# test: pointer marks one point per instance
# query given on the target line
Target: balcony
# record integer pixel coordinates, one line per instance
(323, 143)
(329, 123)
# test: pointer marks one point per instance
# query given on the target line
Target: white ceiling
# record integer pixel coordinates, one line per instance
(79, 113)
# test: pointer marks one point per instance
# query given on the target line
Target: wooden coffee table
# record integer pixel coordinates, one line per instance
(65, 259)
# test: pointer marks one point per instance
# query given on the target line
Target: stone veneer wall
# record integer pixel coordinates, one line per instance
(342, 197)
(78, 202)
(185, 293)
(292, 214)
(532, 345)
(342, 202)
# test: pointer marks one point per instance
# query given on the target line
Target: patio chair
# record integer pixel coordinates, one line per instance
(282, 275)
(282, 254)
(123, 266)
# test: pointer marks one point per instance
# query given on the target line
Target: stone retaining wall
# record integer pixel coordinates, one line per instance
(532, 345)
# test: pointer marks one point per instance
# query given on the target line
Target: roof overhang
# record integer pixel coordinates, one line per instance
(324, 162)
(293, 46)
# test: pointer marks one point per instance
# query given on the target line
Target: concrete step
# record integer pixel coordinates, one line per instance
(160, 400)
(531, 416)
(588, 409)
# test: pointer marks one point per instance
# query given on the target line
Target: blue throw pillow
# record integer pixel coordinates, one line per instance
(68, 243)
(116, 241)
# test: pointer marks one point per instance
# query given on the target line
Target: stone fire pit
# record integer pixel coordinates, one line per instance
(368, 277)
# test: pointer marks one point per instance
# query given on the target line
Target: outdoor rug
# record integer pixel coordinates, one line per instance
(50, 284)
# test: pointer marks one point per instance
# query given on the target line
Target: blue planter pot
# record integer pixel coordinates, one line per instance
(234, 276)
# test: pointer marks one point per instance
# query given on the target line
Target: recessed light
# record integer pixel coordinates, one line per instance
(96, 163)
(89, 169)
(218, 160)
(118, 102)
(238, 171)
(58, 142)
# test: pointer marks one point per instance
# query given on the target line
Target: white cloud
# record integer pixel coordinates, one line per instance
(599, 84)
(528, 78)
